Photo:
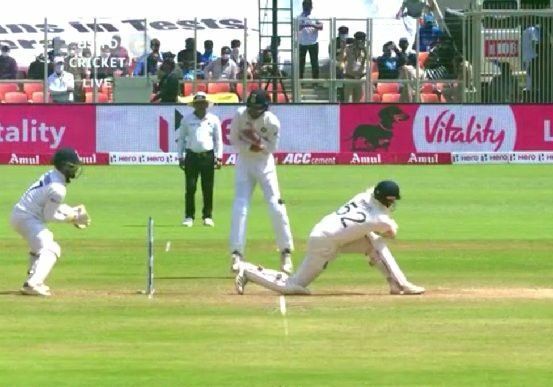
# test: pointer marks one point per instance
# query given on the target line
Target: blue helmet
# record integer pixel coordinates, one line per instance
(259, 99)
(257, 103)
(387, 192)
(67, 161)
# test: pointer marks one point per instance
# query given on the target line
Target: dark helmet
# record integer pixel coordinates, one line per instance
(387, 192)
(257, 103)
(258, 98)
(67, 162)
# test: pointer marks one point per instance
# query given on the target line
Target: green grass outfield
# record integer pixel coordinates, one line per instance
(479, 238)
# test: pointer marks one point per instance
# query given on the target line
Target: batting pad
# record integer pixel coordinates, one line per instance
(271, 279)
(383, 259)
(42, 267)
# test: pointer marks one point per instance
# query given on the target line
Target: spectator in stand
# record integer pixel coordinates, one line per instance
(307, 37)
(443, 63)
(58, 45)
(36, 68)
(148, 64)
(235, 54)
(388, 63)
(341, 39)
(429, 33)
(239, 59)
(73, 66)
(412, 8)
(208, 56)
(187, 57)
(61, 83)
(168, 87)
(223, 67)
(541, 69)
(355, 59)
(104, 69)
(440, 62)
(120, 52)
(264, 65)
(407, 64)
(408, 57)
(530, 39)
(71, 61)
(86, 68)
(503, 88)
(8, 65)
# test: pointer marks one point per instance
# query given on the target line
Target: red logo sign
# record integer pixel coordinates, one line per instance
(501, 48)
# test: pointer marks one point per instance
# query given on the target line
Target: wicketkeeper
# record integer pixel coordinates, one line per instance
(359, 226)
(255, 132)
(43, 203)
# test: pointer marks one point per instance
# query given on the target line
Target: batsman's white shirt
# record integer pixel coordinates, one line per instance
(354, 220)
(49, 187)
(346, 230)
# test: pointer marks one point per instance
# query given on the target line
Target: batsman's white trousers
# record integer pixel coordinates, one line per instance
(249, 171)
(321, 251)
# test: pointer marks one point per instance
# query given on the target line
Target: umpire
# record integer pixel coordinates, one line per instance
(200, 152)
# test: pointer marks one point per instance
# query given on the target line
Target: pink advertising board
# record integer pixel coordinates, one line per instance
(41, 129)
(445, 128)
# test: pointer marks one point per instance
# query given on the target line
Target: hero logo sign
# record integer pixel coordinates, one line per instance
(464, 128)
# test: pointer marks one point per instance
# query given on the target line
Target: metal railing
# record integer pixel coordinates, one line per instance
(499, 56)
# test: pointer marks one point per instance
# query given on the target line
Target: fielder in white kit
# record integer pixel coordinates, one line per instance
(359, 226)
(42, 203)
(255, 133)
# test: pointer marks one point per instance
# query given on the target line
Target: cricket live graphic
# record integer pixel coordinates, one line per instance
(378, 135)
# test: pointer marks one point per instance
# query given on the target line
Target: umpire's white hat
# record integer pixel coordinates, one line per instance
(200, 96)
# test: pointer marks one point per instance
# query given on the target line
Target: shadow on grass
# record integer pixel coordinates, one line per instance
(343, 294)
(10, 292)
(193, 278)
(156, 225)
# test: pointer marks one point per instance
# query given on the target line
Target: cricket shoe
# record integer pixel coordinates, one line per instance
(35, 290)
(407, 289)
(188, 222)
(209, 222)
(235, 259)
(240, 280)
(286, 264)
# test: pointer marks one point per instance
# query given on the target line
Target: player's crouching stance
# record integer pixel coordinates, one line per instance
(43, 203)
(359, 226)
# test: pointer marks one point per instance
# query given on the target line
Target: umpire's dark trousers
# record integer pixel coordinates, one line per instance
(199, 164)
(313, 50)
